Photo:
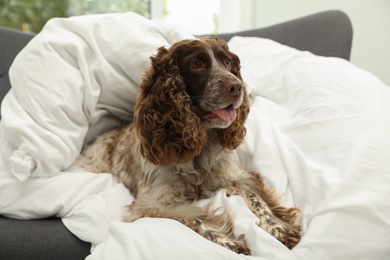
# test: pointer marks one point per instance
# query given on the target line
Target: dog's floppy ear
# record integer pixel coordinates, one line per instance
(168, 129)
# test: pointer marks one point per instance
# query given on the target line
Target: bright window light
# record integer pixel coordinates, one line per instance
(197, 17)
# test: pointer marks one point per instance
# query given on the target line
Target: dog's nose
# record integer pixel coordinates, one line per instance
(234, 87)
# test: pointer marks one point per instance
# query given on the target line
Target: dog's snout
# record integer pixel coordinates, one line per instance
(233, 87)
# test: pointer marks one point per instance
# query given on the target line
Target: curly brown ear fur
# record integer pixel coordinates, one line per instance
(168, 129)
(234, 135)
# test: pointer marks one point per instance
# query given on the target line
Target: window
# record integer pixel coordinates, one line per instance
(193, 15)
(31, 15)
(196, 16)
(206, 16)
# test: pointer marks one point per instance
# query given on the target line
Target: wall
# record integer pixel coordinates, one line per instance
(370, 21)
(236, 15)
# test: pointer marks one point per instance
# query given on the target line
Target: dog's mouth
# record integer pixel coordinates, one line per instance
(227, 114)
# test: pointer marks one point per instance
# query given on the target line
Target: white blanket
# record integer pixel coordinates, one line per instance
(318, 131)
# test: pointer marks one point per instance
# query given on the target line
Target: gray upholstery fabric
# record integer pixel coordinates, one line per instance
(11, 42)
(327, 33)
(39, 239)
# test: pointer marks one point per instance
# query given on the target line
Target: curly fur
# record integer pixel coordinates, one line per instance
(165, 121)
(189, 115)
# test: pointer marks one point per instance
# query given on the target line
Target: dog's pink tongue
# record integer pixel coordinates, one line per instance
(227, 114)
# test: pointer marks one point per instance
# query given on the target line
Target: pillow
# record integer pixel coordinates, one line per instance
(76, 72)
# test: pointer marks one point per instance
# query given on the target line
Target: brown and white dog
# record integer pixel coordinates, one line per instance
(189, 116)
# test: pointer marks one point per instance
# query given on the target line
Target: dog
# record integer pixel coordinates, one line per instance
(188, 119)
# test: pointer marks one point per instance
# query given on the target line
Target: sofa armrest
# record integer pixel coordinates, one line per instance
(39, 239)
(11, 43)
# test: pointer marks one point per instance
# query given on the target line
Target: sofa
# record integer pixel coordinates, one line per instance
(327, 33)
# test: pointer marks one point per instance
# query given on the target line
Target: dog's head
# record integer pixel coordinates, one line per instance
(193, 87)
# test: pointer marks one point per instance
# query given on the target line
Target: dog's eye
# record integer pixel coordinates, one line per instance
(196, 64)
(228, 62)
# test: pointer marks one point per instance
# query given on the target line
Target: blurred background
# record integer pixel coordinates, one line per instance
(370, 19)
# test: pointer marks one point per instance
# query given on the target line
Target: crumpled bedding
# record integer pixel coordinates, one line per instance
(70, 76)
(318, 131)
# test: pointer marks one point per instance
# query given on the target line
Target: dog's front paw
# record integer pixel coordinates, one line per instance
(291, 236)
(288, 234)
(237, 245)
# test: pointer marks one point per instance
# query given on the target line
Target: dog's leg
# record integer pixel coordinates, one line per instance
(286, 232)
(209, 223)
(273, 218)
